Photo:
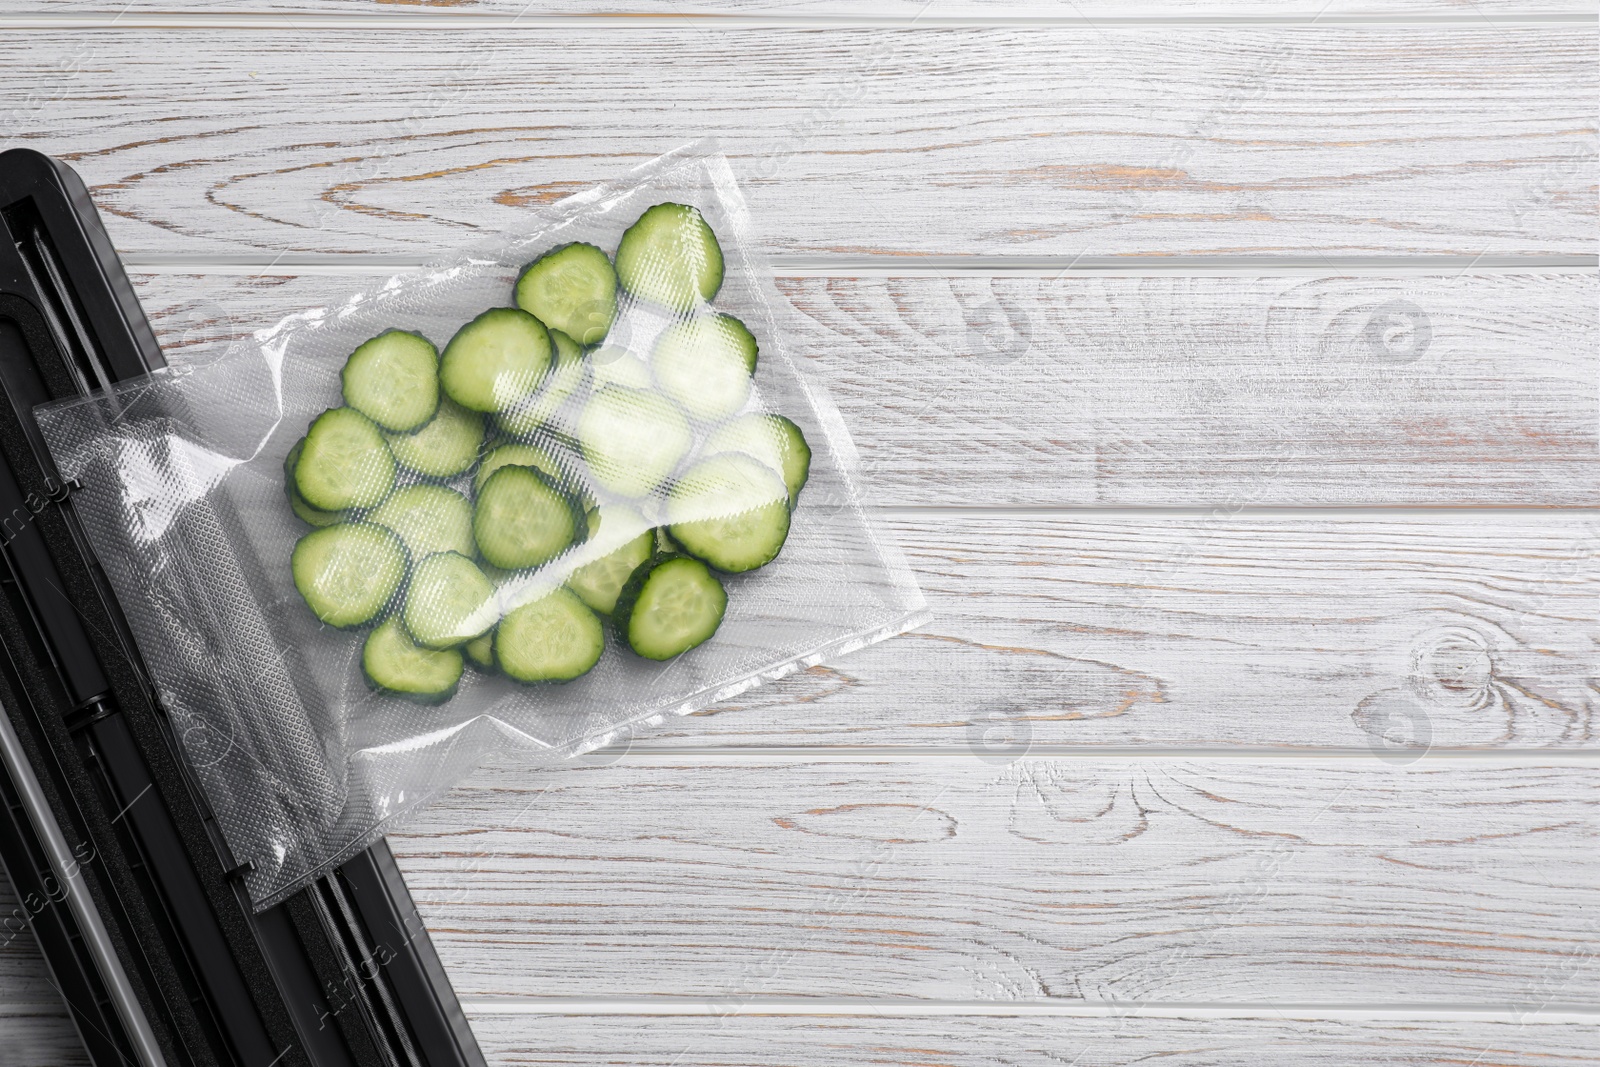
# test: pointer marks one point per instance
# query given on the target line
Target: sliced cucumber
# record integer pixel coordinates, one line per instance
(670, 257)
(395, 664)
(730, 510)
(615, 365)
(522, 519)
(774, 440)
(627, 541)
(348, 573)
(632, 439)
(297, 503)
(564, 381)
(450, 601)
(553, 639)
(516, 454)
(706, 365)
(480, 651)
(428, 519)
(495, 360)
(446, 446)
(670, 605)
(344, 462)
(572, 289)
(393, 380)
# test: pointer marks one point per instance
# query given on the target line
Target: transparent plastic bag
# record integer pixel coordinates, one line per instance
(183, 497)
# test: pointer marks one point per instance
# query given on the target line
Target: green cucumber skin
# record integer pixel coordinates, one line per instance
(669, 284)
(518, 454)
(775, 440)
(424, 454)
(355, 364)
(488, 547)
(633, 466)
(796, 472)
(427, 700)
(628, 599)
(479, 653)
(588, 620)
(567, 381)
(461, 379)
(707, 364)
(592, 323)
(436, 518)
(414, 625)
(602, 599)
(305, 512)
(767, 522)
(381, 608)
(383, 467)
(423, 697)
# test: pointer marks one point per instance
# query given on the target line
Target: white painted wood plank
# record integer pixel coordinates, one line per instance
(34, 1028)
(843, 1041)
(1127, 141)
(1474, 389)
(1218, 628)
(1389, 637)
(1176, 881)
(918, 12)
(42, 1040)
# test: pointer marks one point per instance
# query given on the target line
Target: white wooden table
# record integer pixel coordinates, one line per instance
(1226, 367)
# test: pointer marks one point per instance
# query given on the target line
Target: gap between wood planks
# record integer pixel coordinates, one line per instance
(1564, 1013)
(894, 266)
(266, 20)
(644, 754)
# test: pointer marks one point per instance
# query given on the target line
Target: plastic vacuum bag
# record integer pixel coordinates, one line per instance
(304, 763)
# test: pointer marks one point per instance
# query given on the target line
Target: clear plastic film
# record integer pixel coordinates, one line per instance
(641, 430)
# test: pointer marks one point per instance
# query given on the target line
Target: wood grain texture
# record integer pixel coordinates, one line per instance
(1389, 637)
(1106, 881)
(1124, 141)
(923, 11)
(925, 1042)
(1212, 629)
(34, 1028)
(39, 1040)
(1219, 392)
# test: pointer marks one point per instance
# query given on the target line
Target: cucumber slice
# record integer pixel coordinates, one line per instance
(480, 651)
(344, 462)
(348, 573)
(730, 510)
(615, 365)
(516, 454)
(632, 439)
(564, 381)
(706, 365)
(495, 360)
(624, 532)
(450, 601)
(522, 519)
(774, 440)
(297, 503)
(572, 289)
(428, 519)
(552, 639)
(446, 446)
(670, 257)
(393, 380)
(670, 605)
(393, 663)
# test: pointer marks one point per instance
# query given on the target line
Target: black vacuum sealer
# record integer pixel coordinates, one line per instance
(122, 874)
